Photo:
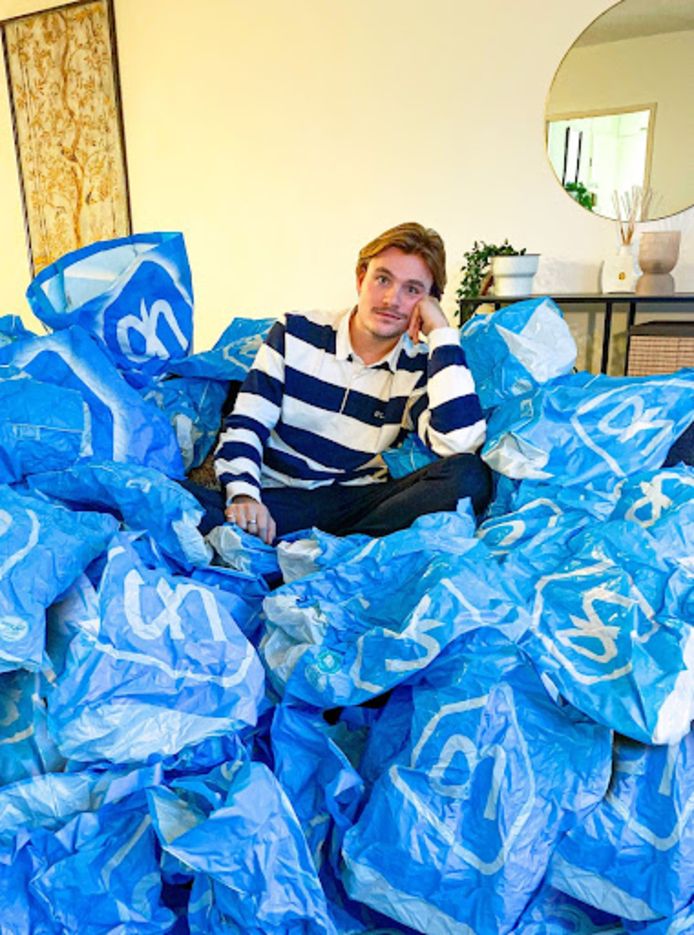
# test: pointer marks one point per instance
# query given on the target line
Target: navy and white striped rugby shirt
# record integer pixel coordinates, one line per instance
(310, 412)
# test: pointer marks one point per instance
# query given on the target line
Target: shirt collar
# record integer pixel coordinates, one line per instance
(345, 351)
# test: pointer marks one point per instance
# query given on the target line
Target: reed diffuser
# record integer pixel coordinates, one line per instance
(619, 272)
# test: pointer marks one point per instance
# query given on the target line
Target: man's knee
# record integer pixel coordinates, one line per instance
(468, 476)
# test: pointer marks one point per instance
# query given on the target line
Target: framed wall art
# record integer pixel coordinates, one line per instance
(62, 74)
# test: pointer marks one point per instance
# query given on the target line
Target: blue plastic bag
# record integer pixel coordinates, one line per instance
(634, 855)
(123, 426)
(77, 854)
(411, 455)
(609, 629)
(323, 786)
(194, 408)
(133, 293)
(360, 627)
(583, 430)
(458, 832)
(232, 355)
(243, 594)
(254, 872)
(164, 667)
(43, 548)
(239, 550)
(142, 497)
(42, 427)
(552, 911)
(25, 746)
(311, 550)
(11, 328)
(517, 348)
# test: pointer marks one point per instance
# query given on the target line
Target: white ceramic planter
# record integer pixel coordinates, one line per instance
(513, 275)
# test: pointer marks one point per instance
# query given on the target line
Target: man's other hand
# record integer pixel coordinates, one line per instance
(426, 316)
(252, 516)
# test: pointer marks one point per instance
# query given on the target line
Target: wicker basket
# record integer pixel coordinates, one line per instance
(660, 347)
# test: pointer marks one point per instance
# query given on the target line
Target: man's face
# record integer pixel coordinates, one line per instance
(389, 289)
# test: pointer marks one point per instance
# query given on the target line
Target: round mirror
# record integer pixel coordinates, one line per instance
(619, 115)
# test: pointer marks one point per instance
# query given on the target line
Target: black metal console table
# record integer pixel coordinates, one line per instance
(607, 299)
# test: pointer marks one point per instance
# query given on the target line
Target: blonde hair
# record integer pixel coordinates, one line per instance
(411, 238)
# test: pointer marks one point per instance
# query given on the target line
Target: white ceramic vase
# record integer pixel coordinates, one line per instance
(513, 275)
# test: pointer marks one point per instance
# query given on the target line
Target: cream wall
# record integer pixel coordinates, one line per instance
(280, 135)
(648, 70)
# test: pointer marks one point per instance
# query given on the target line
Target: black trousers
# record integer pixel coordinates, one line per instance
(373, 509)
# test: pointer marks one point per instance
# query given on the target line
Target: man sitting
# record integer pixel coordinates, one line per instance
(328, 393)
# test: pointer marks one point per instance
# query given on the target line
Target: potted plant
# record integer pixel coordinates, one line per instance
(510, 271)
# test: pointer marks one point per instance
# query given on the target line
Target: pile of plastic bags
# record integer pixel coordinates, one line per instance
(452, 729)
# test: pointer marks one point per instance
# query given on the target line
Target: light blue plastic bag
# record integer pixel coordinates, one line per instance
(123, 426)
(43, 548)
(360, 627)
(595, 431)
(517, 348)
(662, 502)
(634, 855)
(164, 667)
(142, 497)
(42, 427)
(133, 293)
(232, 355)
(458, 831)
(609, 630)
(194, 408)
(254, 872)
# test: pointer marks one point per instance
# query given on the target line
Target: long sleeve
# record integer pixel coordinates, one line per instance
(445, 410)
(239, 455)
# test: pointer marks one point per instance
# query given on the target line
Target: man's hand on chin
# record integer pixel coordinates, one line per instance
(253, 517)
(426, 316)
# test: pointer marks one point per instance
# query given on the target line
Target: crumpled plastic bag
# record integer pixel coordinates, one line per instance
(410, 456)
(552, 911)
(11, 328)
(145, 499)
(231, 357)
(517, 348)
(661, 500)
(194, 408)
(590, 430)
(634, 854)
(309, 551)
(358, 628)
(243, 594)
(459, 830)
(240, 551)
(43, 427)
(323, 786)
(43, 548)
(123, 426)
(610, 630)
(253, 869)
(163, 667)
(26, 749)
(133, 293)
(78, 854)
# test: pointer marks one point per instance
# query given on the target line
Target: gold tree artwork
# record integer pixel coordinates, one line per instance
(68, 129)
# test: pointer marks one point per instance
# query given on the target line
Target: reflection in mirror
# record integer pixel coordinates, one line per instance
(619, 110)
